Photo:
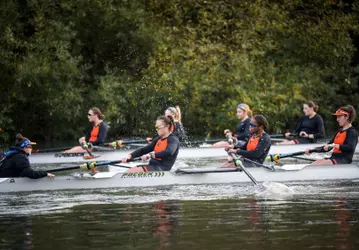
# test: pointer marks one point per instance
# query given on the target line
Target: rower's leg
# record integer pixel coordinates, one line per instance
(220, 144)
(322, 162)
(77, 149)
(136, 170)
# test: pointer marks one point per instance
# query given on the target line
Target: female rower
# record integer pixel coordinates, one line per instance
(242, 130)
(310, 128)
(178, 129)
(16, 162)
(162, 151)
(345, 140)
(258, 145)
(94, 135)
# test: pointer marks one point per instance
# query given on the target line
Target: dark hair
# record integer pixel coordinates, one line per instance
(261, 121)
(311, 104)
(168, 121)
(351, 110)
(97, 112)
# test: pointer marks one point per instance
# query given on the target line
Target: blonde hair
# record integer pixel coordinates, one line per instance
(176, 113)
(245, 108)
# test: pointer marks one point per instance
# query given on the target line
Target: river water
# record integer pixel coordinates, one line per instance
(318, 215)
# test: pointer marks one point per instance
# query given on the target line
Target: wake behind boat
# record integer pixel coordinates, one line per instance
(184, 153)
(182, 177)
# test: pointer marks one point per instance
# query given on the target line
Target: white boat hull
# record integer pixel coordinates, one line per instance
(125, 180)
(184, 153)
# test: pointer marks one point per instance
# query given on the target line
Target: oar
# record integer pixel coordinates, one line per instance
(259, 164)
(238, 163)
(94, 164)
(66, 168)
(119, 143)
(281, 135)
(277, 157)
(91, 165)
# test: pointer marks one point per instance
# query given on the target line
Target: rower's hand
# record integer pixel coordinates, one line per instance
(303, 134)
(307, 151)
(148, 139)
(145, 157)
(229, 147)
(125, 159)
(82, 140)
(330, 147)
(287, 135)
(232, 150)
(51, 176)
(227, 132)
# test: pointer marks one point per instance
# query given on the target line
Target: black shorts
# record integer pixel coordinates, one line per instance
(302, 140)
(339, 160)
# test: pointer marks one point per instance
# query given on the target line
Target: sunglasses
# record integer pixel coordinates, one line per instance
(159, 127)
(253, 125)
(89, 114)
(28, 146)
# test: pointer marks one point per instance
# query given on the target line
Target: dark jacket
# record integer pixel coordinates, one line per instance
(17, 164)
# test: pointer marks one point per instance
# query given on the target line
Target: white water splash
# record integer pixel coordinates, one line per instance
(274, 190)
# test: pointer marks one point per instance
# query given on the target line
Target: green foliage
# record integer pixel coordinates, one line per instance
(135, 58)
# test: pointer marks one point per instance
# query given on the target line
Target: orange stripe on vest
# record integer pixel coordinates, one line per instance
(161, 145)
(94, 133)
(252, 143)
(339, 139)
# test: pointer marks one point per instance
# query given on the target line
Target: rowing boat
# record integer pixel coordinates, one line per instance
(181, 177)
(184, 153)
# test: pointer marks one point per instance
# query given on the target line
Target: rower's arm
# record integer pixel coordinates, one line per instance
(172, 146)
(146, 149)
(262, 146)
(352, 139)
(32, 174)
(27, 171)
(320, 129)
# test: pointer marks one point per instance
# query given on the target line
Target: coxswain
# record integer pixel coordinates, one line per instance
(94, 135)
(242, 132)
(345, 140)
(16, 162)
(162, 151)
(258, 145)
(310, 127)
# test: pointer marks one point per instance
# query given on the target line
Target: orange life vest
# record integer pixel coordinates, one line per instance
(252, 143)
(161, 145)
(339, 139)
(94, 133)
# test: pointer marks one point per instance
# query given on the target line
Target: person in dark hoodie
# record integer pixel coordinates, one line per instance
(16, 162)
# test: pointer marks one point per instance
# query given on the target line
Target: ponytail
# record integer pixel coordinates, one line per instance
(176, 113)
